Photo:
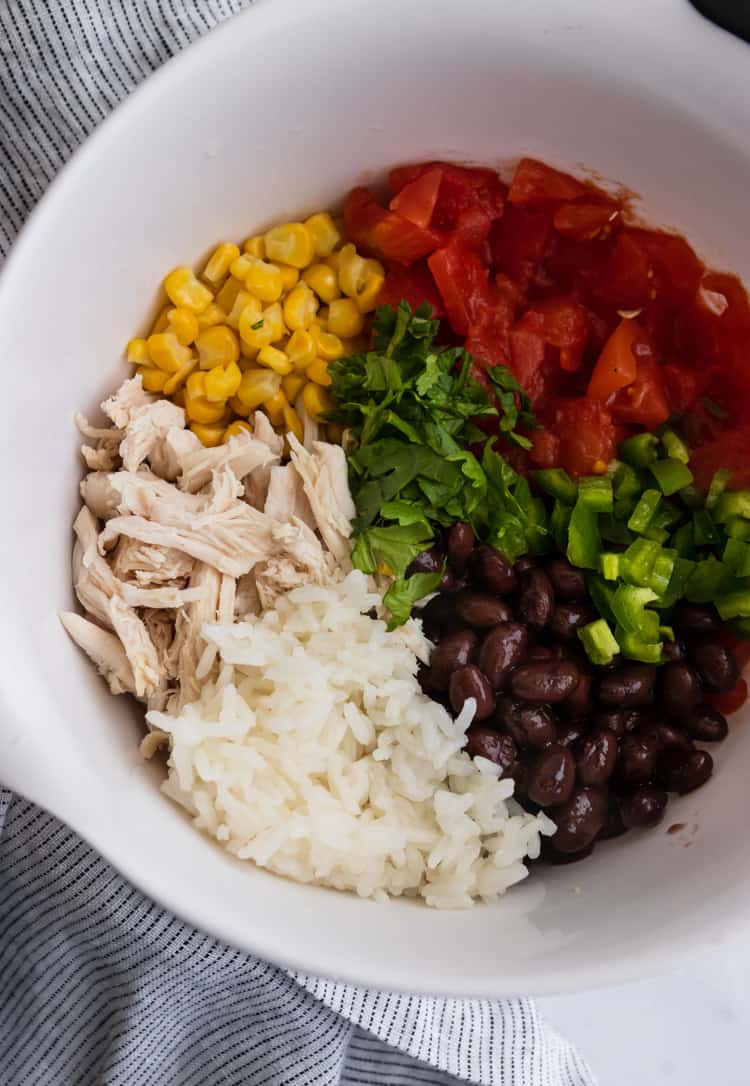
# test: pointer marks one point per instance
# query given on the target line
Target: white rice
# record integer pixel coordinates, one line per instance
(316, 755)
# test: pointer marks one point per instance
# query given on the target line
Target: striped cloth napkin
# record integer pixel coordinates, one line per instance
(97, 984)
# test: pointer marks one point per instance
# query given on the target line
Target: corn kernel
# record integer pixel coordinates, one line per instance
(322, 280)
(245, 308)
(292, 385)
(275, 359)
(275, 317)
(210, 435)
(318, 372)
(301, 349)
(219, 263)
(292, 422)
(255, 329)
(167, 353)
(197, 407)
(263, 280)
(367, 297)
(300, 306)
(274, 408)
(184, 323)
(334, 260)
(227, 296)
(321, 317)
(324, 233)
(241, 266)
(236, 405)
(351, 269)
(161, 321)
(222, 382)
(257, 386)
(290, 243)
(256, 246)
(153, 379)
(316, 400)
(239, 426)
(344, 318)
(289, 276)
(327, 345)
(217, 346)
(177, 380)
(183, 288)
(211, 315)
(136, 352)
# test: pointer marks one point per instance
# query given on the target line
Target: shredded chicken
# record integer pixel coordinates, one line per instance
(150, 565)
(286, 498)
(104, 648)
(147, 430)
(325, 479)
(129, 397)
(169, 455)
(189, 644)
(243, 453)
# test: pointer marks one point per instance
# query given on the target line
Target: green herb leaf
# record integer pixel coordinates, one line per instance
(389, 550)
(403, 594)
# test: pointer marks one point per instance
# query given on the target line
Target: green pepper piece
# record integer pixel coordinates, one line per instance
(707, 581)
(640, 450)
(609, 565)
(661, 571)
(683, 540)
(558, 484)
(558, 524)
(599, 642)
(614, 531)
(667, 633)
(595, 492)
(683, 568)
(734, 604)
(732, 503)
(704, 529)
(671, 475)
(537, 531)
(735, 555)
(637, 563)
(674, 446)
(661, 522)
(692, 497)
(738, 528)
(717, 487)
(584, 541)
(636, 648)
(629, 608)
(644, 510)
(602, 595)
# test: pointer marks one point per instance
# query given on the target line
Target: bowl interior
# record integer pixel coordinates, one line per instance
(277, 115)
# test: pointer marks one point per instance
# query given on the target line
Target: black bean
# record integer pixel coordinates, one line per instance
(454, 650)
(536, 600)
(679, 690)
(707, 725)
(644, 807)
(568, 618)
(580, 819)
(568, 582)
(666, 735)
(628, 686)
(552, 776)
(571, 733)
(580, 702)
(637, 759)
(619, 721)
(543, 652)
(544, 681)
(503, 648)
(673, 651)
(715, 664)
(439, 615)
(449, 582)
(550, 855)
(613, 825)
(459, 545)
(596, 757)
(487, 743)
(469, 682)
(506, 714)
(493, 571)
(538, 726)
(684, 771)
(523, 565)
(428, 561)
(692, 620)
(481, 610)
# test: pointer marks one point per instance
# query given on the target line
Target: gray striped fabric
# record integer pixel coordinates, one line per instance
(97, 984)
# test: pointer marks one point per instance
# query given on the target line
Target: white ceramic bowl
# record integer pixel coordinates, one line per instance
(274, 115)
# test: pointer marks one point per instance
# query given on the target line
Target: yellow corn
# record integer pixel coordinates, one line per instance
(198, 407)
(322, 280)
(290, 243)
(324, 233)
(238, 407)
(350, 270)
(301, 349)
(184, 323)
(211, 315)
(183, 288)
(177, 380)
(256, 246)
(153, 379)
(263, 280)
(161, 321)
(239, 426)
(292, 385)
(227, 296)
(289, 276)
(257, 386)
(167, 352)
(360, 279)
(219, 263)
(275, 317)
(344, 318)
(222, 382)
(274, 408)
(321, 317)
(255, 329)
(292, 422)
(367, 297)
(136, 352)
(275, 359)
(245, 308)
(210, 435)
(318, 372)
(217, 346)
(316, 400)
(334, 260)
(327, 345)
(300, 306)
(241, 266)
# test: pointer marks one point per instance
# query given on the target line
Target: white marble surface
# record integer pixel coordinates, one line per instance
(691, 1028)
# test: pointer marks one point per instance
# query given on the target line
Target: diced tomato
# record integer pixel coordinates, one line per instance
(643, 403)
(462, 187)
(414, 285)
(416, 200)
(385, 234)
(683, 387)
(472, 227)
(677, 270)
(529, 362)
(738, 646)
(545, 448)
(616, 366)
(463, 281)
(584, 220)
(588, 438)
(488, 339)
(625, 280)
(518, 242)
(535, 183)
(561, 323)
(730, 702)
(729, 450)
